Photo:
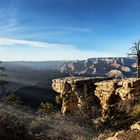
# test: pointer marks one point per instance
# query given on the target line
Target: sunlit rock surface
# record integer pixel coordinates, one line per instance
(75, 90)
(136, 126)
(112, 91)
(110, 67)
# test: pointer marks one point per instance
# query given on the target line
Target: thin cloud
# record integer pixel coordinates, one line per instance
(8, 18)
(76, 29)
(13, 42)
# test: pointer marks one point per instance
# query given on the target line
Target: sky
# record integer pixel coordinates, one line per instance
(41, 30)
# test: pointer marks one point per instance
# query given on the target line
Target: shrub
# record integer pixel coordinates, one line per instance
(58, 100)
(136, 108)
(12, 99)
(136, 111)
(46, 108)
(38, 125)
(13, 125)
(57, 127)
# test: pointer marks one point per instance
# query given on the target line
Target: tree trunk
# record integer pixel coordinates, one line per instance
(138, 67)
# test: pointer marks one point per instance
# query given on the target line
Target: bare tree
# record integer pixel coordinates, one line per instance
(135, 51)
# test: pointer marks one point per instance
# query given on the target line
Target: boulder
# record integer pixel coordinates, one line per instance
(136, 126)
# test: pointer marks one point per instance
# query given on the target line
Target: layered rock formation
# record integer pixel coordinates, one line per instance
(112, 91)
(104, 91)
(110, 67)
(74, 91)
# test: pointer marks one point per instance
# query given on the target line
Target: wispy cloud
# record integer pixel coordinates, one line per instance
(77, 29)
(8, 18)
(13, 42)
(11, 25)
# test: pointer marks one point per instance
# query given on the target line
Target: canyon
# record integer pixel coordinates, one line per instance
(108, 67)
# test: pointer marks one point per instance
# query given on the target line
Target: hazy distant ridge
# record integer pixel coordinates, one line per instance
(110, 67)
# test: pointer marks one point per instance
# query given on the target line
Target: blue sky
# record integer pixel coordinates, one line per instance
(67, 29)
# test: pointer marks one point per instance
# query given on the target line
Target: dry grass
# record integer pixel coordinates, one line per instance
(13, 124)
(17, 124)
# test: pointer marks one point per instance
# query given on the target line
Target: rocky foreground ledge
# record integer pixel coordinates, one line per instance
(132, 134)
(74, 91)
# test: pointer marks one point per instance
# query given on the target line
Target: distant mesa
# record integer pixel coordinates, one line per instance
(114, 73)
(110, 67)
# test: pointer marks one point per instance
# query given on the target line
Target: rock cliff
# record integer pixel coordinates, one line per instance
(74, 91)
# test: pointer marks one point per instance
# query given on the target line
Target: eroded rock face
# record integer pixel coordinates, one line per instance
(114, 73)
(112, 91)
(111, 67)
(75, 90)
(104, 90)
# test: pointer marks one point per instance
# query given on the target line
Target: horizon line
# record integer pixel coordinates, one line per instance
(63, 59)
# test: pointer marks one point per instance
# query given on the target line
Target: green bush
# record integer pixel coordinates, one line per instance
(136, 108)
(46, 108)
(12, 99)
(58, 100)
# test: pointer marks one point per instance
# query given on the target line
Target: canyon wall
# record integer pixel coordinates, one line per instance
(75, 91)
